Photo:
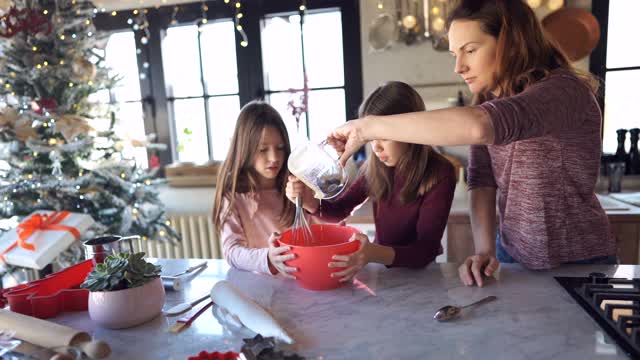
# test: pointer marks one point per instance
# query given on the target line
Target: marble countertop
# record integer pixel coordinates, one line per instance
(385, 314)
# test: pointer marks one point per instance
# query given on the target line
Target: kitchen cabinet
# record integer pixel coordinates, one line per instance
(458, 240)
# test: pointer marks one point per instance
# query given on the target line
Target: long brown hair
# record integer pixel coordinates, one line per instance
(237, 174)
(524, 55)
(419, 175)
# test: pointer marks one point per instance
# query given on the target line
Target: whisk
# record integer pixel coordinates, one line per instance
(300, 230)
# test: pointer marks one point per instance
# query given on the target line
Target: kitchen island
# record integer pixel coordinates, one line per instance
(386, 314)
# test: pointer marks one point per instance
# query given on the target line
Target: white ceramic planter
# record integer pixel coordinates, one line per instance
(127, 308)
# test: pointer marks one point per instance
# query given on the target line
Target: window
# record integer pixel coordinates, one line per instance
(619, 64)
(288, 51)
(125, 99)
(200, 75)
(201, 78)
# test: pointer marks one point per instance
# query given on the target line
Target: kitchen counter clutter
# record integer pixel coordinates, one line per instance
(383, 314)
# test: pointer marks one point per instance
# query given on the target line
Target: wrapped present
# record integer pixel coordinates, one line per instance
(41, 237)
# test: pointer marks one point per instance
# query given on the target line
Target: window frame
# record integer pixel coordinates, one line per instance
(598, 57)
(251, 84)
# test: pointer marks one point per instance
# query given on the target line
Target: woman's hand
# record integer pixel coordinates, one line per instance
(276, 259)
(353, 262)
(296, 188)
(347, 139)
(474, 267)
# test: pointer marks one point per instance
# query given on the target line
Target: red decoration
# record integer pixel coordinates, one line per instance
(154, 161)
(203, 355)
(53, 295)
(30, 21)
(41, 105)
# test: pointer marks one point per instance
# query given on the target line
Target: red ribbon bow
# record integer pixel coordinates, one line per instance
(39, 222)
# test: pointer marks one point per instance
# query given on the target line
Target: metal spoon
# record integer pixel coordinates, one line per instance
(451, 312)
(184, 307)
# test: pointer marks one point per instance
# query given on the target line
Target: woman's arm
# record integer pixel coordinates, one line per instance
(482, 208)
(450, 126)
(482, 192)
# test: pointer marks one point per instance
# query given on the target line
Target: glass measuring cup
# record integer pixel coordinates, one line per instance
(318, 167)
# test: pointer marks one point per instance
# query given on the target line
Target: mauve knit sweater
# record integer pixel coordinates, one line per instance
(544, 163)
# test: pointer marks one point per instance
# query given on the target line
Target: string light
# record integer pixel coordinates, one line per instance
(148, 182)
(35, 48)
(162, 233)
(114, 13)
(45, 12)
(245, 40)
(123, 175)
(380, 5)
(204, 9)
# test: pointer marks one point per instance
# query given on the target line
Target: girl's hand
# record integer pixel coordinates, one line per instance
(347, 139)
(296, 188)
(353, 262)
(276, 259)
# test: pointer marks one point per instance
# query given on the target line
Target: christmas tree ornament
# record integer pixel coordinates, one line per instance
(41, 106)
(5, 5)
(70, 126)
(56, 163)
(23, 130)
(83, 69)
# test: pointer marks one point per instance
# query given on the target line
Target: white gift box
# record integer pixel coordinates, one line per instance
(48, 243)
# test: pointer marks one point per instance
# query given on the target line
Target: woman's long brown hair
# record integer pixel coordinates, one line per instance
(416, 166)
(237, 174)
(524, 55)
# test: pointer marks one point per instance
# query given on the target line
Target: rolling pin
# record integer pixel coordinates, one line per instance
(51, 335)
(250, 314)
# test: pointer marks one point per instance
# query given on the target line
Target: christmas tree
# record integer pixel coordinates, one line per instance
(54, 158)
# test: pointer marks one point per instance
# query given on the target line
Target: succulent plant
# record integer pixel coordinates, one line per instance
(121, 271)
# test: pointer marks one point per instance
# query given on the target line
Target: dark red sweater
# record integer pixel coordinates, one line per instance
(413, 230)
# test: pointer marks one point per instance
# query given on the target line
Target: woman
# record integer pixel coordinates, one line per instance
(535, 135)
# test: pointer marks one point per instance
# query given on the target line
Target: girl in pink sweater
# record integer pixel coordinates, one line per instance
(250, 205)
